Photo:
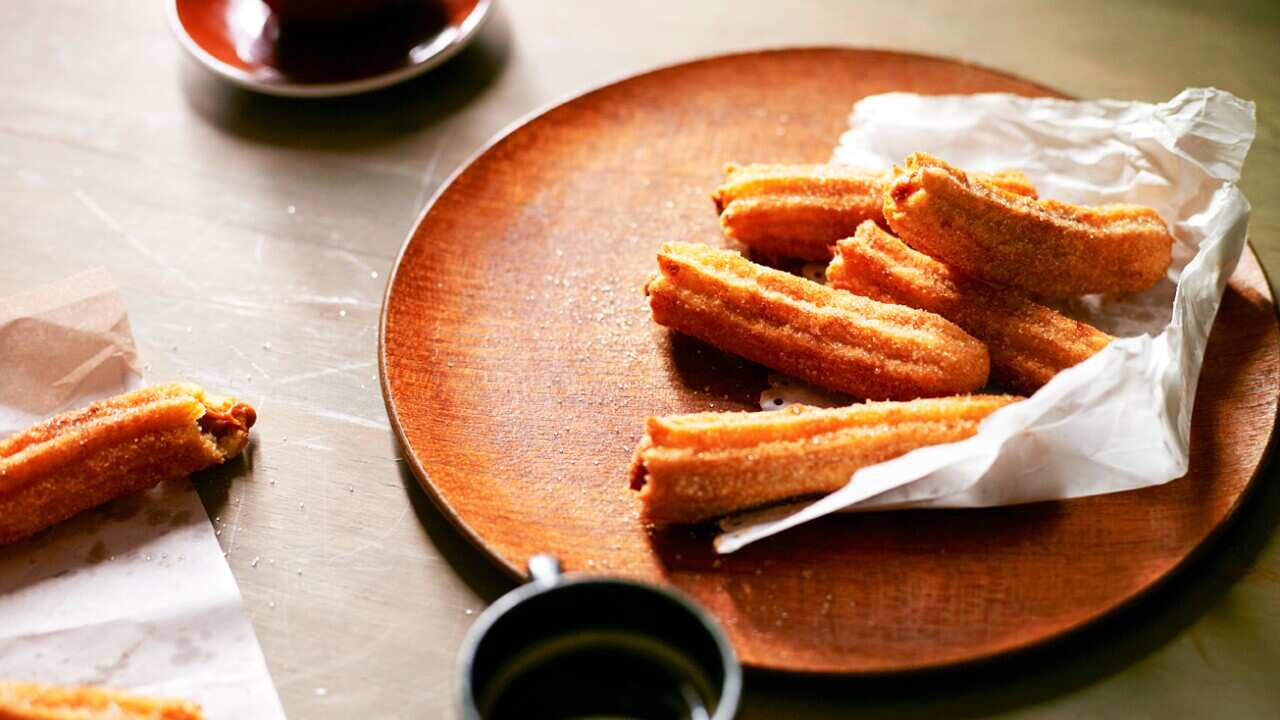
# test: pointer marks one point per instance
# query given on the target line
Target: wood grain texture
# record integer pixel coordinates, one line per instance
(519, 362)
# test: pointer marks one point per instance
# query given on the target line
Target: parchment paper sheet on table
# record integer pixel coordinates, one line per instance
(1120, 420)
(136, 595)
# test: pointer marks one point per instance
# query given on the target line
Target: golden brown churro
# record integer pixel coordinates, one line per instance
(830, 338)
(689, 468)
(33, 701)
(800, 211)
(1028, 342)
(1046, 248)
(81, 459)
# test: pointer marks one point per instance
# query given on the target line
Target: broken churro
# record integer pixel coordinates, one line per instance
(830, 338)
(33, 701)
(1046, 248)
(689, 468)
(81, 459)
(1028, 342)
(800, 211)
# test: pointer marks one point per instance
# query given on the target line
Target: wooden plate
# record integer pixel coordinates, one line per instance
(519, 362)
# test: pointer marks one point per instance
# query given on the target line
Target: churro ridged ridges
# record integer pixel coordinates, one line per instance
(81, 459)
(1028, 342)
(800, 211)
(828, 337)
(1013, 182)
(1046, 248)
(689, 468)
(34, 701)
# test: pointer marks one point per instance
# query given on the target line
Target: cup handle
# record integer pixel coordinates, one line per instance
(544, 569)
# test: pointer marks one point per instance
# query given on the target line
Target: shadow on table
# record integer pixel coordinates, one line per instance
(214, 484)
(476, 570)
(355, 121)
(1042, 673)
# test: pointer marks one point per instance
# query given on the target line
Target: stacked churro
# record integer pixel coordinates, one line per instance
(112, 448)
(800, 211)
(1047, 249)
(32, 701)
(1029, 343)
(909, 320)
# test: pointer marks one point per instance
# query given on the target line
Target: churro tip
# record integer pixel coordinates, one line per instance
(638, 474)
(653, 278)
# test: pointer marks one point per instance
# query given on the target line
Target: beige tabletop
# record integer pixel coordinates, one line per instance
(252, 238)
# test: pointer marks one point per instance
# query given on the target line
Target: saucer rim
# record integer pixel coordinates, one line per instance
(467, 30)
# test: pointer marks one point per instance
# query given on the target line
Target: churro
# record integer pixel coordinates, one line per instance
(1028, 342)
(81, 459)
(689, 468)
(33, 701)
(1046, 248)
(800, 211)
(830, 338)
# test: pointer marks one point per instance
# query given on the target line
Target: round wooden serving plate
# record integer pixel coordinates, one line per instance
(519, 363)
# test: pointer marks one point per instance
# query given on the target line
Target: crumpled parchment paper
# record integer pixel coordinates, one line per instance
(135, 595)
(1120, 420)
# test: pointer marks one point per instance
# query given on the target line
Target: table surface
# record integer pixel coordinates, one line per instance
(252, 238)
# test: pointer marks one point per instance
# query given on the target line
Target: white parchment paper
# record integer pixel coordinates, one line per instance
(135, 595)
(1120, 420)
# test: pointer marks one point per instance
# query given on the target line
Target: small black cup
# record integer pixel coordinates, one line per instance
(583, 647)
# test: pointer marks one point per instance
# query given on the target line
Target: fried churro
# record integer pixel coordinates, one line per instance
(1028, 342)
(34, 701)
(81, 459)
(800, 211)
(830, 338)
(1046, 248)
(689, 468)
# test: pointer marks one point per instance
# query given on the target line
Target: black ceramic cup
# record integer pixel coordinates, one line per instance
(590, 647)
